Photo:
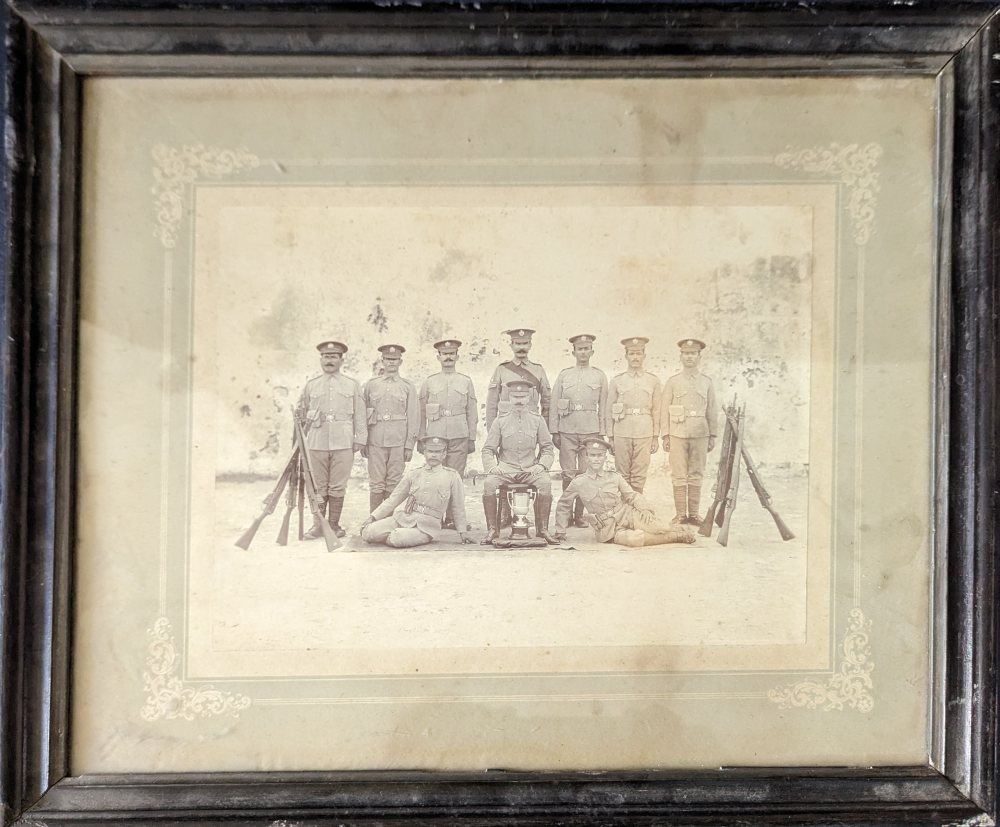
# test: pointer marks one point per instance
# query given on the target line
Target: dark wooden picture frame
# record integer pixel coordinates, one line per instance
(51, 45)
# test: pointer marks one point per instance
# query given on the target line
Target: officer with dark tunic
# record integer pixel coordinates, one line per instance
(615, 512)
(449, 410)
(633, 421)
(332, 412)
(413, 512)
(518, 449)
(689, 421)
(579, 408)
(522, 368)
(393, 416)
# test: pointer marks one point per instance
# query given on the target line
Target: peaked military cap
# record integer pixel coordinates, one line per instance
(690, 344)
(596, 442)
(447, 344)
(519, 385)
(635, 341)
(582, 338)
(332, 347)
(433, 442)
(392, 350)
(520, 332)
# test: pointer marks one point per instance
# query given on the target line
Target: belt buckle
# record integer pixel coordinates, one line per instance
(692, 413)
(385, 417)
(447, 413)
(578, 407)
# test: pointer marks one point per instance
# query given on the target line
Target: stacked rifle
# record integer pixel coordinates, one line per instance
(300, 481)
(727, 482)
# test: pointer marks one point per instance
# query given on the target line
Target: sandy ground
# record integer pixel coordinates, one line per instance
(450, 595)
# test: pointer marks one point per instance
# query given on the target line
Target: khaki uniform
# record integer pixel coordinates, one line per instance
(689, 417)
(393, 417)
(412, 514)
(333, 414)
(498, 396)
(449, 409)
(511, 448)
(579, 402)
(633, 422)
(615, 512)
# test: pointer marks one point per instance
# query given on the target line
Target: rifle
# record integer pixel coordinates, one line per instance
(721, 479)
(270, 503)
(721, 515)
(302, 499)
(762, 494)
(734, 482)
(332, 541)
(293, 485)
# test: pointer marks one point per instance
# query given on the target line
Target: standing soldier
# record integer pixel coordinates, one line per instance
(449, 410)
(689, 419)
(522, 368)
(518, 449)
(633, 421)
(579, 408)
(412, 513)
(393, 420)
(332, 413)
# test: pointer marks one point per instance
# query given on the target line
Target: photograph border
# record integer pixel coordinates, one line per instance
(52, 45)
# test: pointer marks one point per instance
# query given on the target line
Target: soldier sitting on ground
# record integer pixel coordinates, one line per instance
(412, 514)
(615, 512)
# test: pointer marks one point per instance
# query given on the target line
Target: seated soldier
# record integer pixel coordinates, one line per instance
(412, 514)
(615, 512)
(518, 449)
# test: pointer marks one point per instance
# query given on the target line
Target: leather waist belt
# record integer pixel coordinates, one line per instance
(425, 509)
(390, 418)
(637, 411)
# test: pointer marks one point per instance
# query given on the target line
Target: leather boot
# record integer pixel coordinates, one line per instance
(336, 505)
(504, 514)
(694, 502)
(316, 531)
(578, 521)
(543, 509)
(681, 504)
(374, 500)
(492, 532)
(679, 535)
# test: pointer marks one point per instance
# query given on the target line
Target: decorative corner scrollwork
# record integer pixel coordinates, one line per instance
(853, 165)
(177, 167)
(166, 695)
(849, 686)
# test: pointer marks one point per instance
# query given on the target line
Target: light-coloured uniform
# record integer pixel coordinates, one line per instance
(412, 514)
(633, 421)
(689, 417)
(512, 448)
(393, 417)
(615, 512)
(449, 409)
(498, 395)
(578, 411)
(333, 414)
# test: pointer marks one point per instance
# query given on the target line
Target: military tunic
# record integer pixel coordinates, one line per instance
(579, 401)
(498, 396)
(633, 422)
(613, 508)
(393, 421)
(512, 447)
(689, 417)
(333, 414)
(412, 514)
(449, 409)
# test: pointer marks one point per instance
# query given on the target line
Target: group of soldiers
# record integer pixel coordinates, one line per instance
(583, 416)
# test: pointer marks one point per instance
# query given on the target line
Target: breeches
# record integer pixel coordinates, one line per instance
(573, 454)
(687, 459)
(331, 470)
(385, 468)
(386, 532)
(539, 479)
(456, 455)
(632, 459)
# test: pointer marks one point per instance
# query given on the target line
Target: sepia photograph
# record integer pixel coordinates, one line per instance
(491, 419)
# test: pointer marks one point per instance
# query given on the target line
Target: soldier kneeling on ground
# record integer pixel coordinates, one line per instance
(412, 514)
(615, 512)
